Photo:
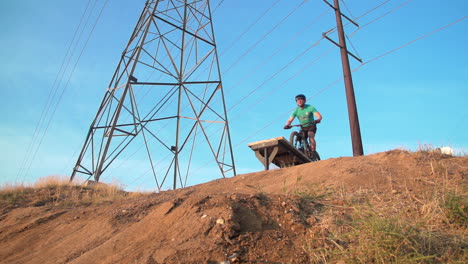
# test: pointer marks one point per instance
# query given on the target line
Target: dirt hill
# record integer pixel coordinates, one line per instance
(395, 206)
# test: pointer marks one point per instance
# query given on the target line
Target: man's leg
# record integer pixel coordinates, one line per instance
(313, 144)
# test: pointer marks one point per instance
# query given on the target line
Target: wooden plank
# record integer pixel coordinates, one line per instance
(265, 143)
(278, 151)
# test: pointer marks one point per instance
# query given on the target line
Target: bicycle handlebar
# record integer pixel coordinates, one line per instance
(299, 125)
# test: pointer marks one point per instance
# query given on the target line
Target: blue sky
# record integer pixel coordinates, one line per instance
(413, 95)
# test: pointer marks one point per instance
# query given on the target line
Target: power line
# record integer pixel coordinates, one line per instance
(282, 84)
(63, 90)
(364, 14)
(251, 72)
(411, 42)
(52, 92)
(249, 27)
(339, 79)
(349, 11)
(329, 86)
(352, 46)
(262, 38)
(372, 10)
(368, 61)
(380, 17)
(315, 44)
(245, 31)
(222, 1)
(216, 8)
(285, 82)
(354, 70)
(276, 73)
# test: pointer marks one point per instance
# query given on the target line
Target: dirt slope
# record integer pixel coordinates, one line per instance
(263, 217)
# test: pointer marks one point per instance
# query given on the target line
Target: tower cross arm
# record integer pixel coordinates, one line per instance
(349, 19)
(183, 29)
(340, 46)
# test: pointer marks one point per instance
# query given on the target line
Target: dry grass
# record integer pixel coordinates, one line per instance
(424, 223)
(58, 191)
(54, 181)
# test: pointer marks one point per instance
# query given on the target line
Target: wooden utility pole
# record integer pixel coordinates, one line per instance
(352, 109)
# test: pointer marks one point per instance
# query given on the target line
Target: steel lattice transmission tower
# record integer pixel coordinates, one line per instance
(165, 101)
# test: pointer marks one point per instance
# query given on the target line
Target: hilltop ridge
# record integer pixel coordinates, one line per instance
(394, 206)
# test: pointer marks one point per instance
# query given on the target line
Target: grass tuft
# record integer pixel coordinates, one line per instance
(456, 207)
(370, 237)
(53, 181)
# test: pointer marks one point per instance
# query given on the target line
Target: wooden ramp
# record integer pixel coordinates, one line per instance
(278, 151)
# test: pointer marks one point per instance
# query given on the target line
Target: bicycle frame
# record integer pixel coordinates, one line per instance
(300, 140)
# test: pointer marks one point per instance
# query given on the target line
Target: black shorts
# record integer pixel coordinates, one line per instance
(312, 128)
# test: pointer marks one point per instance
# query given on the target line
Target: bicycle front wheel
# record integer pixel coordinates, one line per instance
(295, 139)
(311, 154)
(314, 156)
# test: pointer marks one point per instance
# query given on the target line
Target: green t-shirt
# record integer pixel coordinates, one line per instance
(305, 115)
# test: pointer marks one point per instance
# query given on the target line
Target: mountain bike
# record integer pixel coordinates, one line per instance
(300, 140)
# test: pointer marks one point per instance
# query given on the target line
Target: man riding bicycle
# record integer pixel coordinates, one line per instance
(306, 113)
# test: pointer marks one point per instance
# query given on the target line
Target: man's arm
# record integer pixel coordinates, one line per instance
(318, 117)
(288, 123)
